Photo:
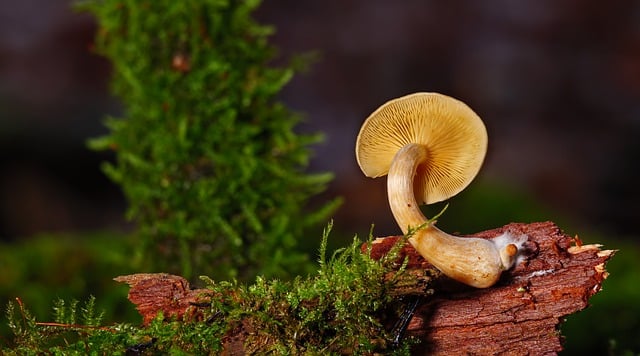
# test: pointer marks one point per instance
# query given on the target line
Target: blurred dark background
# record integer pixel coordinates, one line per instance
(556, 82)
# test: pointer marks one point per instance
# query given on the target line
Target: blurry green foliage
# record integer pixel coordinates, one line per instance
(489, 204)
(206, 156)
(44, 268)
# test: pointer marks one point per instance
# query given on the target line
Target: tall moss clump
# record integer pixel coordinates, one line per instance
(205, 154)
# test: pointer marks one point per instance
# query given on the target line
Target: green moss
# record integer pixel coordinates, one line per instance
(343, 309)
(206, 156)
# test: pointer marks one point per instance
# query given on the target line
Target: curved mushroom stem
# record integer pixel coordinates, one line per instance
(474, 261)
(402, 200)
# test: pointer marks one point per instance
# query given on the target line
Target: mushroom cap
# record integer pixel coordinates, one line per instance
(455, 138)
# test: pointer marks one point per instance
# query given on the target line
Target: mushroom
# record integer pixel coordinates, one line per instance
(432, 146)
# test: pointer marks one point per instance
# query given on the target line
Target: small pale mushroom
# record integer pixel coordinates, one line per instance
(432, 146)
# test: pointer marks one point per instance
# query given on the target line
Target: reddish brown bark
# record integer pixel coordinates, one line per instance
(519, 315)
(160, 292)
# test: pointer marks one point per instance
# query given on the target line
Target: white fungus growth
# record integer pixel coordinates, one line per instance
(508, 238)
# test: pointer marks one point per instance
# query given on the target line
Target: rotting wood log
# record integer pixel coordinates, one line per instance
(521, 314)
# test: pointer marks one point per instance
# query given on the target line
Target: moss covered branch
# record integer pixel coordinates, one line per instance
(521, 314)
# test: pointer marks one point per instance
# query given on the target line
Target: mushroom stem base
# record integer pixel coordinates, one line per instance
(472, 261)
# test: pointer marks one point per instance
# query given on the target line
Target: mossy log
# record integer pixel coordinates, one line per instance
(519, 315)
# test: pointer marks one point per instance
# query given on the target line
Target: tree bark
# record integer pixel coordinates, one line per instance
(152, 293)
(519, 315)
